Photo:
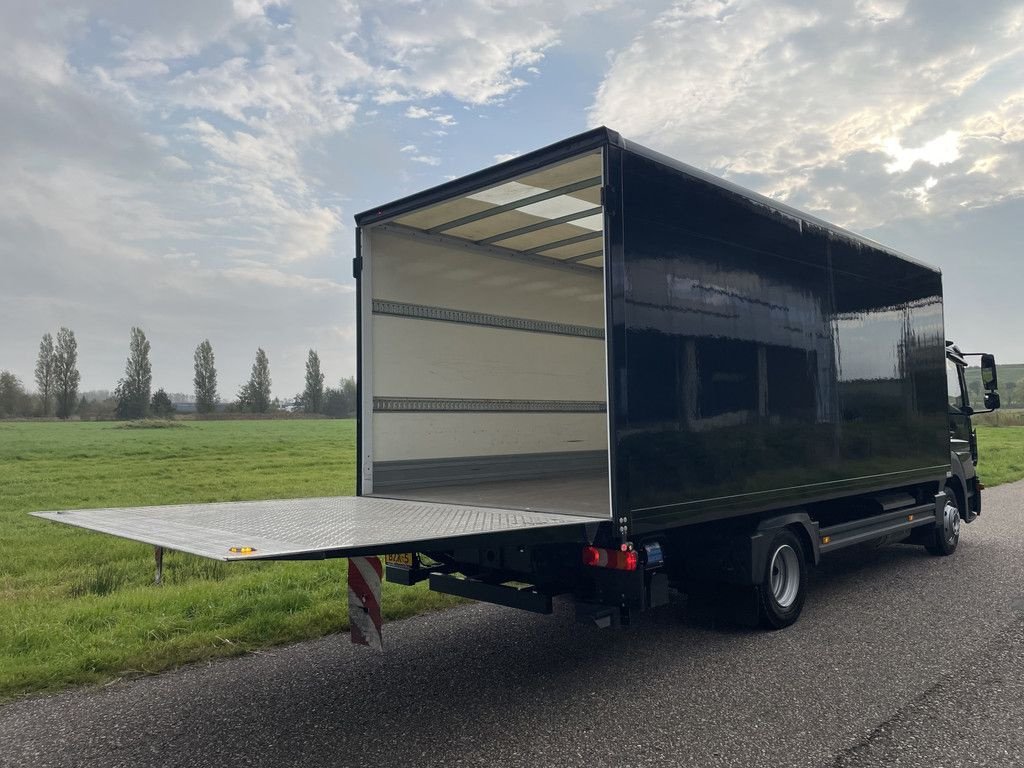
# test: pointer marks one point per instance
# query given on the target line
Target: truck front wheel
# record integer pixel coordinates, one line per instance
(946, 536)
(783, 587)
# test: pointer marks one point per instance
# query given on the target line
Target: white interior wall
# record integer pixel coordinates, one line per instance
(416, 272)
(448, 435)
(423, 358)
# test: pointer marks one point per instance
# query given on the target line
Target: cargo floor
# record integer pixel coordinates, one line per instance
(577, 494)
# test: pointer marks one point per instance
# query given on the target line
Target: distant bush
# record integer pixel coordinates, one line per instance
(340, 403)
(161, 405)
(150, 424)
(98, 409)
(229, 415)
(1002, 418)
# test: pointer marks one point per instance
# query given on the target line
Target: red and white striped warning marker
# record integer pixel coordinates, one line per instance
(364, 600)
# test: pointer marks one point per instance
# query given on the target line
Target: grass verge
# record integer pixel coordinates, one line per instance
(79, 607)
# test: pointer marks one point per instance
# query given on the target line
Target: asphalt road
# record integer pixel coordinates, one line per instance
(900, 658)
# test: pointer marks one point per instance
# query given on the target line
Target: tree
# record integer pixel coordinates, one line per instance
(1009, 388)
(974, 390)
(65, 373)
(13, 399)
(313, 395)
(161, 404)
(132, 391)
(341, 403)
(255, 395)
(45, 373)
(205, 378)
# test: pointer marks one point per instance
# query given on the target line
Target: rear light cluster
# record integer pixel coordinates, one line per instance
(598, 557)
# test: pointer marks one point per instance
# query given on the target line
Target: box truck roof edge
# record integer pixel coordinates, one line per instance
(593, 139)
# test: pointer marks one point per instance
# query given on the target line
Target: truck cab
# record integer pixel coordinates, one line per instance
(963, 439)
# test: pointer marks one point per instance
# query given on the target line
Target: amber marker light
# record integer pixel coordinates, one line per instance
(242, 550)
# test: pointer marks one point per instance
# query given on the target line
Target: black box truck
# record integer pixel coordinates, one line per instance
(596, 373)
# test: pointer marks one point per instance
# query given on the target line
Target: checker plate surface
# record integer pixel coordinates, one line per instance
(288, 527)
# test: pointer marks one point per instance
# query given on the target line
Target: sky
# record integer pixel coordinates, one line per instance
(193, 167)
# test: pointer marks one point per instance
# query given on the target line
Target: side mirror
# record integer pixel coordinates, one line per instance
(988, 374)
(991, 401)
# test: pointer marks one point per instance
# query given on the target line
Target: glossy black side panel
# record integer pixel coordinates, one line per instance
(767, 361)
(615, 334)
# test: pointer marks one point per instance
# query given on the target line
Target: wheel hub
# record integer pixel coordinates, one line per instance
(951, 522)
(785, 576)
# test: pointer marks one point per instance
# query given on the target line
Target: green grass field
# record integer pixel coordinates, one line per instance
(1000, 454)
(81, 607)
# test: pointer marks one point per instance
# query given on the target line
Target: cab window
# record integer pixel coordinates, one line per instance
(954, 392)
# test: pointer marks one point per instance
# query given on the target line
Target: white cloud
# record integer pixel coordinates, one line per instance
(941, 150)
(276, 278)
(843, 110)
(426, 159)
(465, 48)
(434, 113)
(390, 96)
(140, 69)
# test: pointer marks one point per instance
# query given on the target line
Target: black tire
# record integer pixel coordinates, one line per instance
(783, 586)
(946, 537)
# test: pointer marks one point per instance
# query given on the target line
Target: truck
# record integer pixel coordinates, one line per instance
(593, 373)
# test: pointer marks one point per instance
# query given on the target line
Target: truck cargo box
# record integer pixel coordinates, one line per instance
(599, 330)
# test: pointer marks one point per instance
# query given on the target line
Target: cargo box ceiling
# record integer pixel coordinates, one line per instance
(483, 362)
(554, 213)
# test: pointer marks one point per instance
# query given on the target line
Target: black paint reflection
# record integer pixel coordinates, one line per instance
(765, 353)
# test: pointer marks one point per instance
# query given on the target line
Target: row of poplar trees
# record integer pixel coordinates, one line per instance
(57, 378)
(133, 391)
(57, 373)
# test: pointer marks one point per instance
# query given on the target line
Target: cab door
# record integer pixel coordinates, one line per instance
(960, 437)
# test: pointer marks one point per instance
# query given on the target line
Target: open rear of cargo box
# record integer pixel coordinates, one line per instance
(483, 367)
(482, 380)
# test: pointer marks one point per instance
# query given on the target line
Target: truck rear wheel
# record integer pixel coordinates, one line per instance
(783, 587)
(945, 537)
